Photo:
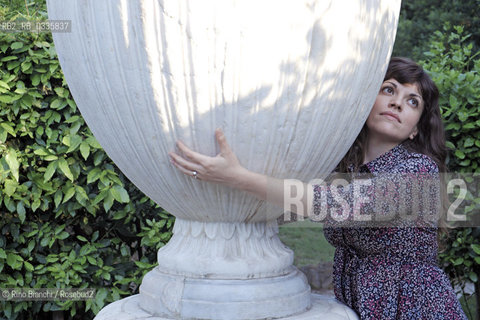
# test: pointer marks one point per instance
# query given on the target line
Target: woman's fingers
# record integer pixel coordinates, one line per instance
(190, 154)
(184, 165)
(222, 141)
(185, 171)
(219, 169)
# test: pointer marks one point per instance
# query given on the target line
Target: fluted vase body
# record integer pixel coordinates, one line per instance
(290, 83)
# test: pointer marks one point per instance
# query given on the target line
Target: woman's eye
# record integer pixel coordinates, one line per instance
(387, 89)
(414, 102)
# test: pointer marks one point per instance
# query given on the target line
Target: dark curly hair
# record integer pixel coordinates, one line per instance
(430, 139)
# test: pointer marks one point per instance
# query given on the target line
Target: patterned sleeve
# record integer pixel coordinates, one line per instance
(409, 195)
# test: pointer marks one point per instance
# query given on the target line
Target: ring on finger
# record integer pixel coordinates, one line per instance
(194, 174)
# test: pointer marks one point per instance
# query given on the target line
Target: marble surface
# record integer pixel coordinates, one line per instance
(179, 296)
(287, 81)
(324, 307)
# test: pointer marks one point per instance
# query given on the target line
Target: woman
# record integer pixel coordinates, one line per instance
(380, 272)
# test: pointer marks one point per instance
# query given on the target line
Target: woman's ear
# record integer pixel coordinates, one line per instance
(413, 133)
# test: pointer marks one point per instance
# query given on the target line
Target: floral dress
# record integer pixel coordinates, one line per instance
(391, 272)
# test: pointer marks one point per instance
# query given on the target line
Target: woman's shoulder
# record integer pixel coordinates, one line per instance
(415, 162)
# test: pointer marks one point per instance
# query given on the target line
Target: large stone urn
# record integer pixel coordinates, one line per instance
(290, 82)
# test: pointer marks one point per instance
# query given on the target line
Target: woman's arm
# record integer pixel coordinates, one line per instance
(225, 169)
(382, 198)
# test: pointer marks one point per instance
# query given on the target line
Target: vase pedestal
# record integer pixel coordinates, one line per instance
(225, 271)
(323, 307)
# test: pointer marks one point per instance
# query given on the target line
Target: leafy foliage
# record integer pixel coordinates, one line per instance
(69, 217)
(419, 19)
(455, 68)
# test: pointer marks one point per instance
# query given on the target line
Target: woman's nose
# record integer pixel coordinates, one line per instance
(394, 103)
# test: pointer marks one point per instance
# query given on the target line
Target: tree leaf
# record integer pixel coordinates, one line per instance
(63, 165)
(50, 157)
(119, 215)
(93, 142)
(100, 297)
(58, 104)
(61, 92)
(92, 260)
(8, 128)
(82, 238)
(10, 204)
(36, 203)
(80, 194)
(6, 99)
(16, 45)
(63, 235)
(10, 187)
(11, 259)
(3, 255)
(58, 197)
(41, 152)
(75, 141)
(476, 248)
(98, 158)
(51, 168)
(69, 194)
(120, 194)
(35, 79)
(4, 85)
(473, 276)
(21, 211)
(12, 162)
(28, 266)
(468, 142)
(84, 150)
(31, 245)
(108, 202)
(93, 175)
(66, 141)
(458, 261)
(459, 154)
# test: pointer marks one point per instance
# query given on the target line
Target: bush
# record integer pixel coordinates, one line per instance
(419, 19)
(455, 68)
(70, 219)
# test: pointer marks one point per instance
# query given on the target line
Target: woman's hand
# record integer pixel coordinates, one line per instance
(223, 169)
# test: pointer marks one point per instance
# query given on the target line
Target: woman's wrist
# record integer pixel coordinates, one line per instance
(252, 182)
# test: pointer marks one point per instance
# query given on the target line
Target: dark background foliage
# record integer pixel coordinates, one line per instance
(419, 19)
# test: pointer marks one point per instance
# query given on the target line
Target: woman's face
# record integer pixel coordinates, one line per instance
(396, 112)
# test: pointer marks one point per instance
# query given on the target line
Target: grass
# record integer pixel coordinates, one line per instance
(306, 240)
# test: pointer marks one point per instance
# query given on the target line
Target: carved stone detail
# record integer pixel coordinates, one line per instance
(225, 250)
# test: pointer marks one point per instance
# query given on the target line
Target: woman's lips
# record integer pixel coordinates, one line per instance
(391, 115)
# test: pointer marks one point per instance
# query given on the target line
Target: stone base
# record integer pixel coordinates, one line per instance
(324, 307)
(180, 297)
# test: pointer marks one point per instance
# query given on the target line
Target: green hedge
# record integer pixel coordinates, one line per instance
(69, 217)
(419, 19)
(455, 68)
